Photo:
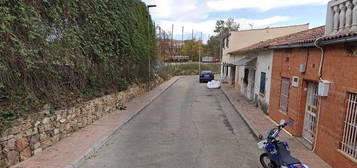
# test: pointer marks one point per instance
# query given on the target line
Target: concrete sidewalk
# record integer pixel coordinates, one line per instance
(261, 124)
(70, 151)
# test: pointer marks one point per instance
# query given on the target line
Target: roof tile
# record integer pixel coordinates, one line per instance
(306, 36)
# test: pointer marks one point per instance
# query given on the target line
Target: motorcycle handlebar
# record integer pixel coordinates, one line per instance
(286, 123)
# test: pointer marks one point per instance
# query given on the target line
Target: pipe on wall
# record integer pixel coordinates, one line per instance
(316, 43)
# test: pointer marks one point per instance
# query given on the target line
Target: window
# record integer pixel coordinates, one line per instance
(284, 94)
(349, 139)
(262, 82)
(227, 44)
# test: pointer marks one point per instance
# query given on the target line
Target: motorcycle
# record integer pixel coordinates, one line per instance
(277, 154)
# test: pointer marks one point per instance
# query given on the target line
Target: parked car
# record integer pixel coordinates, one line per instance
(206, 76)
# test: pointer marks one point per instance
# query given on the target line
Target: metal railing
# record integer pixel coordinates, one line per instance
(349, 140)
(341, 16)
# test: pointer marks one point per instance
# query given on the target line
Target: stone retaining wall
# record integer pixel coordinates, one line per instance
(32, 135)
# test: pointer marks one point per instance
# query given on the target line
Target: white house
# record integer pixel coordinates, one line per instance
(237, 40)
(254, 75)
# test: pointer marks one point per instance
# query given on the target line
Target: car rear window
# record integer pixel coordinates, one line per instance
(206, 72)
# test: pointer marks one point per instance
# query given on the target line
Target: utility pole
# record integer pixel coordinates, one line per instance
(160, 43)
(183, 29)
(172, 40)
(221, 55)
(199, 56)
(182, 42)
(192, 45)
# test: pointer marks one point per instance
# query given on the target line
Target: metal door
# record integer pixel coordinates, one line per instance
(311, 112)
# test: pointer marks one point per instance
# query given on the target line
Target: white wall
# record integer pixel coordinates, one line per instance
(264, 64)
(247, 89)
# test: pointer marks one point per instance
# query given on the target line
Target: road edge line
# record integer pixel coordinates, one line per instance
(102, 142)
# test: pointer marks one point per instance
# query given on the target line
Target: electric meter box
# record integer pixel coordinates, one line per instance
(295, 81)
(324, 87)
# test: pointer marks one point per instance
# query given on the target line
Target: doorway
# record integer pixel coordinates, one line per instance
(309, 129)
(233, 75)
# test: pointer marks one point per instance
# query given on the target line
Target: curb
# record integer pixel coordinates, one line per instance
(250, 125)
(97, 146)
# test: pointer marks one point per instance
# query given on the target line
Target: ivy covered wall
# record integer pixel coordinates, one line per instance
(59, 52)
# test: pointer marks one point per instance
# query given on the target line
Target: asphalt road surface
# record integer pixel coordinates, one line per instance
(188, 126)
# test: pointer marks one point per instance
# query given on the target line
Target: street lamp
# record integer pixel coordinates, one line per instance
(151, 6)
(148, 8)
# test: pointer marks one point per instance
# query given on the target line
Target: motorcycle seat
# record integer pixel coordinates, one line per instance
(285, 157)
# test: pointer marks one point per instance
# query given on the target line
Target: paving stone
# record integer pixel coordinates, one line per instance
(21, 144)
(37, 145)
(12, 157)
(37, 123)
(56, 131)
(25, 154)
(43, 137)
(10, 145)
(34, 140)
(46, 120)
(45, 144)
(67, 127)
(37, 151)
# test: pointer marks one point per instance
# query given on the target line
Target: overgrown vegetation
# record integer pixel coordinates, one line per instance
(60, 52)
(191, 48)
(187, 69)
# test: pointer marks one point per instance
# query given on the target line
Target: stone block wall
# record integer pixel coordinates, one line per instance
(33, 134)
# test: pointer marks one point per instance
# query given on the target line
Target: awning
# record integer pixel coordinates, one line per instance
(228, 65)
(244, 61)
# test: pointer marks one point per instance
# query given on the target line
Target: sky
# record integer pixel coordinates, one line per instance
(201, 15)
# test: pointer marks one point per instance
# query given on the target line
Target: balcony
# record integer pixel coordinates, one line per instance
(341, 16)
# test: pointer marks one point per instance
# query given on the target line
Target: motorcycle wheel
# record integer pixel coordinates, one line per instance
(266, 162)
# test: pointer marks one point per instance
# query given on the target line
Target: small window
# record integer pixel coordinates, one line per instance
(227, 44)
(262, 82)
(284, 94)
(349, 139)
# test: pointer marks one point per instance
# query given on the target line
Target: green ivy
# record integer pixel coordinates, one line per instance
(57, 52)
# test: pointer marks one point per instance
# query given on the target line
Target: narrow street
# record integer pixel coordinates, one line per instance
(188, 126)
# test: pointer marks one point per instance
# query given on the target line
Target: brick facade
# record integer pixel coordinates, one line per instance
(339, 67)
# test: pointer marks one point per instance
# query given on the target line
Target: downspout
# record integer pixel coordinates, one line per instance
(316, 43)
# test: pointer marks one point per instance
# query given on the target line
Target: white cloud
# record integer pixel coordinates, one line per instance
(227, 5)
(194, 14)
(189, 10)
(207, 27)
(259, 23)
(181, 10)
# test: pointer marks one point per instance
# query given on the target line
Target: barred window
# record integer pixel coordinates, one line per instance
(349, 139)
(284, 94)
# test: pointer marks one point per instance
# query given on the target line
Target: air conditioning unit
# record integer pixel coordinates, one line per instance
(324, 87)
